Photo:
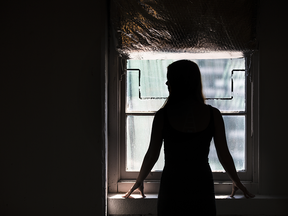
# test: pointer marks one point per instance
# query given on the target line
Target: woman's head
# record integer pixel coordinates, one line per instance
(184, 80)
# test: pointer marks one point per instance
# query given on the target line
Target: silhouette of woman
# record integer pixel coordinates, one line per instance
(187, 126)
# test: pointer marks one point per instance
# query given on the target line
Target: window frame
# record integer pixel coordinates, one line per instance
(119, 182)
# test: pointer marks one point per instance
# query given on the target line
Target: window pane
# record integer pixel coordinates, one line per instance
(216, 78)
(138, 137)
(237, 103)
(235, 134)
(152, 84)
(137, 142)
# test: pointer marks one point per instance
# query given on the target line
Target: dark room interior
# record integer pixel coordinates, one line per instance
(54, 120)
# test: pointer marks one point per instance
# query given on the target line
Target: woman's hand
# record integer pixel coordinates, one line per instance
(240, 186)
(137, 186)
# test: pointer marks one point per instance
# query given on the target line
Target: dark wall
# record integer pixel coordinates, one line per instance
(52, 136)
(273, 115)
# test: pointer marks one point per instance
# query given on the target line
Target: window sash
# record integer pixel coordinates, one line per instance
(155, 175)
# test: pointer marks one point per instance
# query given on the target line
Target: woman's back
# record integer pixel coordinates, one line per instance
(187, 133)
(189, 117)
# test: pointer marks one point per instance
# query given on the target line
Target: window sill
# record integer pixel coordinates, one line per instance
(152, 186)
(261, 204)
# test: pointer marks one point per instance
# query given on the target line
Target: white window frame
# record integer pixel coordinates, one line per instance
(120, 182)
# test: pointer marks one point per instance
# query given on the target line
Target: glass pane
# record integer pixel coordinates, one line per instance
(237, 103)
(235, 134)
(152, 84)
(138, 137)
(216, 78)
(137, 142)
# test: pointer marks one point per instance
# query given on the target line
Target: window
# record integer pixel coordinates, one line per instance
(226, 85)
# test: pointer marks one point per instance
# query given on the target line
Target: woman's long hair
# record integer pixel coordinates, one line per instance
(185, 81)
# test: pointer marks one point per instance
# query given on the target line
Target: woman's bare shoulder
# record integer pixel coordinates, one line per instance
(218, 119)
(215, 110)
(160, 112)
(159, 115)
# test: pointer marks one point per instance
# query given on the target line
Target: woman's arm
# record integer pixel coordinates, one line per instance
(152, 153)
(224, 155)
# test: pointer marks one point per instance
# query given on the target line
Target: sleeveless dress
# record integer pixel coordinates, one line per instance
(186, 186)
